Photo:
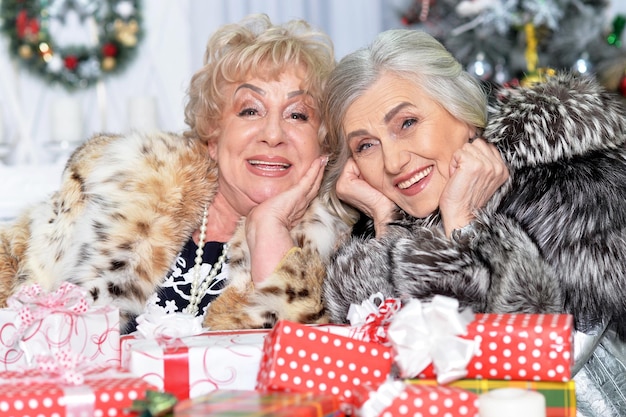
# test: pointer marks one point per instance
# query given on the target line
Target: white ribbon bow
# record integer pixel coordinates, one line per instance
(425, 333)
(156, 324)
(382, 398)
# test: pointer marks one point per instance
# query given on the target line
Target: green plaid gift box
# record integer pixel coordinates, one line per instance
(560, 396)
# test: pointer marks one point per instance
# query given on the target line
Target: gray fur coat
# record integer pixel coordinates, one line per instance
(553, 239)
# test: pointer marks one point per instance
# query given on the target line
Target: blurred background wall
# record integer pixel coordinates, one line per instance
(41, 122)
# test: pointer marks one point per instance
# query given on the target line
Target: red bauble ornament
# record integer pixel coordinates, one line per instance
(71, 62)
(26, 28)
(109, 49)
(622, 86)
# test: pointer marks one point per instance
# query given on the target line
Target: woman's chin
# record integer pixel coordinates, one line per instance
(260, 195)
(420, 211)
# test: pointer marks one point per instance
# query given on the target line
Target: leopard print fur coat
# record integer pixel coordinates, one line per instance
(126, 206)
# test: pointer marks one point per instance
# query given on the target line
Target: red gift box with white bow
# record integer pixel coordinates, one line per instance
(301, 358)
(519, 347)
(36, 322)
(435, 339)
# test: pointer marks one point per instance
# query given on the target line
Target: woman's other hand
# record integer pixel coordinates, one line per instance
(477, 170)
(354, 190)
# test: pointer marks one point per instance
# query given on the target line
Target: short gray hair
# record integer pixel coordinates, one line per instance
(410, 54)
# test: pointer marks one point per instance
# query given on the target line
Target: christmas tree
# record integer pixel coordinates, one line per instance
(517, 41)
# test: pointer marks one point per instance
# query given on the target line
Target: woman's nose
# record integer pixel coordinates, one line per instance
(273, 132)
(394, 158)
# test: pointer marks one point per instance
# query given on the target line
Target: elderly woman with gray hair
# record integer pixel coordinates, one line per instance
(544, 235)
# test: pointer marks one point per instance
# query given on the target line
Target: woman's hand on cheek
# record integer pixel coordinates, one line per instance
(354, 190)
(268, 225)
(477, 170)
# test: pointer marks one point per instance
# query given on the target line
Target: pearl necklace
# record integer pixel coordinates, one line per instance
(199, 286)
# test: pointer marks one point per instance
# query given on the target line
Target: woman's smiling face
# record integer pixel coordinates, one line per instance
(403, 142)
(268, 140)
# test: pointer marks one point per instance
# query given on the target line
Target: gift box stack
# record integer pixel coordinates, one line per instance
(60, 356)
(428, 358)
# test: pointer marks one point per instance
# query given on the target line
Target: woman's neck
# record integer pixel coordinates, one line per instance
(222, 220)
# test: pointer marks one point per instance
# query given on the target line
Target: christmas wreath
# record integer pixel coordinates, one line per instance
(33, 27)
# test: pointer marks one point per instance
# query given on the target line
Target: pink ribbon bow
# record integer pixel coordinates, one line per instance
(33, 305)
(67, 366)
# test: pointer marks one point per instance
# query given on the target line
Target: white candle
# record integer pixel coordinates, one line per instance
(512, 402)
(66, 121)
(142, 114)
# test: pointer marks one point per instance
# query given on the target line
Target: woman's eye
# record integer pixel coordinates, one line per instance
(248, 112)
(361, 147)
(408, 123)
(300, 116)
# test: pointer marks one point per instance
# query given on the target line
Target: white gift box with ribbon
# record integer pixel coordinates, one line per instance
(36, 322)
(176, 354)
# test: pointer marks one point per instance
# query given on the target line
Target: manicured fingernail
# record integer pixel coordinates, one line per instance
(325, 160)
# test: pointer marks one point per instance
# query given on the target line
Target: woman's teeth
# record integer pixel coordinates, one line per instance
(406, 184)
(269, 165)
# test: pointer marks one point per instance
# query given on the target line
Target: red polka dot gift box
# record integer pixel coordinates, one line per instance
(35, 394)
(301, 358)
(519, 347)
(397, 399)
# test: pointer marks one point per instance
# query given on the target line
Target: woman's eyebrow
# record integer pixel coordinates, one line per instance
(251, 87)
(391, 113)
(360, 132)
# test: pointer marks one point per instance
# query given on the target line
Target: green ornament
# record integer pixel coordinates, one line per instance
(156, 404)
(615, 37)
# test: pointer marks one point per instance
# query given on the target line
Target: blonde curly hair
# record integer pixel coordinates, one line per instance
(254, 47)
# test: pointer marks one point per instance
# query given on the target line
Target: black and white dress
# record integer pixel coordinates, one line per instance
(174, 292)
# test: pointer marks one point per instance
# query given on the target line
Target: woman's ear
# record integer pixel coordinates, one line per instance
(212, 149)
(473, 133)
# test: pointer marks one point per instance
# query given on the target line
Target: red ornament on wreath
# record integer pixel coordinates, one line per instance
(622, 86)
(26, 28)
(34, 30)
(109, 49)
(71, 62)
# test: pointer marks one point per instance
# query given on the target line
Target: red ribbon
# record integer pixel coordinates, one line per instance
(176, 369)
(376, 323)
